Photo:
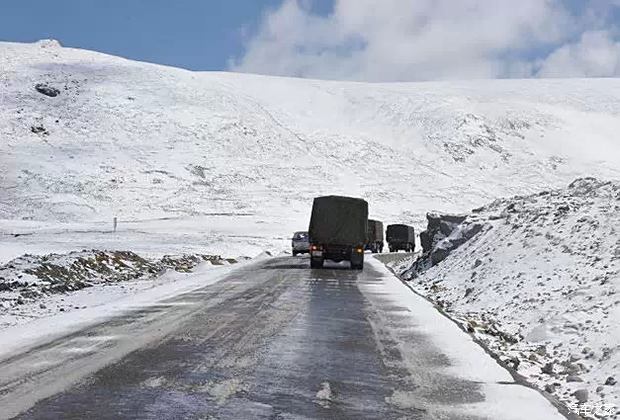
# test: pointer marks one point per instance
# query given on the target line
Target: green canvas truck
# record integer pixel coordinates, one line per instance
(401, 237)
(338, 228)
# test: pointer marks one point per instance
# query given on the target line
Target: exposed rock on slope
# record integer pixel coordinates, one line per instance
(445, 233)
(539, 284)
(46, 90)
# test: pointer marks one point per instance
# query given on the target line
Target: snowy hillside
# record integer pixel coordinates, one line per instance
(241, 156)
(539, 284)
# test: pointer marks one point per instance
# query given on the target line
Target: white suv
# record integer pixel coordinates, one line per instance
(301, 243)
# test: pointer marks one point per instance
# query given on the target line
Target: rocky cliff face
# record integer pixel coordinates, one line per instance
(444, 233)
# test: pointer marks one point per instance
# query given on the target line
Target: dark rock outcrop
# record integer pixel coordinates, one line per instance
(426, 241)
(47, 90)
(444, 233)
(440, 226)
(39, 129)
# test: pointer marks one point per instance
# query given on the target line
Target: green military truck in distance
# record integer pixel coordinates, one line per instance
(401, 237)
(337, 230)
(374, 242)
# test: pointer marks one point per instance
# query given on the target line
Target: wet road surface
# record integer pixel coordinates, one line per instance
(273, 340)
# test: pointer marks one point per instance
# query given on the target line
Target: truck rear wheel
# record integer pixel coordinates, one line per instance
(357, 266)
(357, 261)
(316, 262)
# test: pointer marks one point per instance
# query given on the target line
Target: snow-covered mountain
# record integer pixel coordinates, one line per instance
(142, 141)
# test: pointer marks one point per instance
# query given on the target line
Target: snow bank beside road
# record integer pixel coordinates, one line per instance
(503, 398)
(36, 286)
(539, 286)
(97, 303)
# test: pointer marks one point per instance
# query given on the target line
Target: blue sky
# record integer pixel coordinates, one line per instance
(366, 40)
(194, 34)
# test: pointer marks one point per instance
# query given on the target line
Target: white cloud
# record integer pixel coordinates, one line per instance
(392, 40)
(595, 55)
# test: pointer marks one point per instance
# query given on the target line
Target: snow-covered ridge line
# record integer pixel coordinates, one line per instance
(538, 285)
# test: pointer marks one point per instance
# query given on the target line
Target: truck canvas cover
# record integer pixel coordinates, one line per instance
(400, 233)
(338, 220)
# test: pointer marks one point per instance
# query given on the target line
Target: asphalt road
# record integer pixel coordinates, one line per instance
(274, 340)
